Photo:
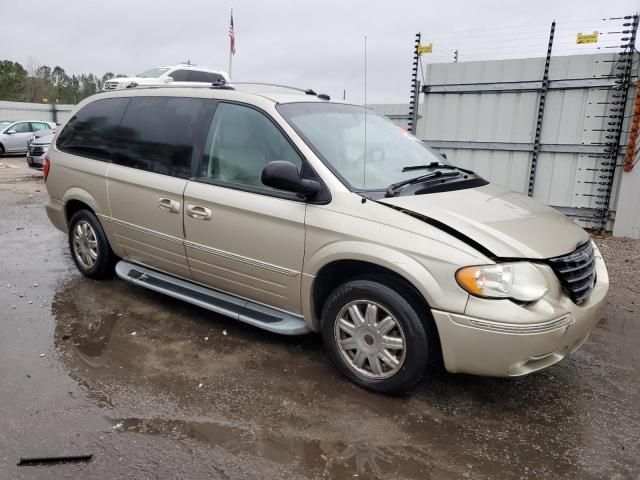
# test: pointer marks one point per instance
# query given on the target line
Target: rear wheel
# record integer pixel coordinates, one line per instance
(376, 336)
(1, 149)
(89, 247)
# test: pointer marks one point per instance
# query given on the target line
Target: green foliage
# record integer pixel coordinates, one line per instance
(12, 80)
(45, 84)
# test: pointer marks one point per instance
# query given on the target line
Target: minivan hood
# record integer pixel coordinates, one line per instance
(508, 224)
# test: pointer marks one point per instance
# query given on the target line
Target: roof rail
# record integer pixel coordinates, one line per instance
(308, 91)
(222, 85)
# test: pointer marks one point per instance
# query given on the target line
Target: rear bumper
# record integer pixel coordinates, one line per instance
(483, 346)
(35, 160)
(56, 214)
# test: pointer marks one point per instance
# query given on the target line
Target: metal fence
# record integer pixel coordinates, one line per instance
(13, 111)
(554, 127)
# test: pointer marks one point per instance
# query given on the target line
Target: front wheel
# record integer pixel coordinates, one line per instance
(89, 247)
(376, 336)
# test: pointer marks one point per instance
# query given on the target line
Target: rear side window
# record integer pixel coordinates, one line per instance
(90, 132)
(180, 75)
(163, 134)
(205, 77)
(36, 127)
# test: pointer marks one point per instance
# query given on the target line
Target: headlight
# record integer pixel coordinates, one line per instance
(520, 281)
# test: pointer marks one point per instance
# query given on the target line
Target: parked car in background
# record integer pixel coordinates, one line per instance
(38, 147)
(14, 138)
(183, 74)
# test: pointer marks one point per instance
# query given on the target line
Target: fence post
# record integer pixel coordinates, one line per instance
(54, 113)
(415, 88)
(540, 115)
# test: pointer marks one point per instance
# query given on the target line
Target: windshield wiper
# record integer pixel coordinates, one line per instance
(429, 166)
(392, 189)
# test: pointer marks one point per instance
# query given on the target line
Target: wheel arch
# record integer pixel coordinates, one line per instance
(76, 199)
(347, 260)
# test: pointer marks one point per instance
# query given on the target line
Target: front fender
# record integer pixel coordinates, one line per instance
(398, 262)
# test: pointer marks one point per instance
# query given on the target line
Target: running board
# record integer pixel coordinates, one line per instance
(260, 316)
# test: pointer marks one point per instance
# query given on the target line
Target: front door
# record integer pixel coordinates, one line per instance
(242, 237)
(156, 142)
(17, 142)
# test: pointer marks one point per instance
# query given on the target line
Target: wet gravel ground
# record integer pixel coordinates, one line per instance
(155, 388)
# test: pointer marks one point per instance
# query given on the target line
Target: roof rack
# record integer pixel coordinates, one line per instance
(222, 85)
(307, 91)
(264, 84)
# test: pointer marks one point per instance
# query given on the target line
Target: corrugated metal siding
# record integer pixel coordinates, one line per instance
(34, 111)
(571, 117)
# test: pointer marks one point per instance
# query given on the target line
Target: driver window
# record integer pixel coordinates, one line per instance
(240, 142)
(22, 127)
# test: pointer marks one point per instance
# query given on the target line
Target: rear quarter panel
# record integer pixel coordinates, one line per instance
(72, 177)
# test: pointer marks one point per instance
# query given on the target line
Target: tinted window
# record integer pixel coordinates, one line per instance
(163, 134)
(213, 78)
(180, 75)
(90, 132)
(240, 142)
(195, 76)
(205, 77)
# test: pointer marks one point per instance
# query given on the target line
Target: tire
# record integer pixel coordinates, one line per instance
(1, 149)
(384, 370)
(89, 247)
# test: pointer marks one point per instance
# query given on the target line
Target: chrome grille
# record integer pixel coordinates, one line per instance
(576, 272)
(111, 85)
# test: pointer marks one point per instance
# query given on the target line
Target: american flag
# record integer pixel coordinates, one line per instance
(232, 36)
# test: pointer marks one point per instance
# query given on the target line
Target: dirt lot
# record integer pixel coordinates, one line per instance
(155, 388)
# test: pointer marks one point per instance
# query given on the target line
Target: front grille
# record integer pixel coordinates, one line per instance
(111, 85)
(33, 150)
(576, 272)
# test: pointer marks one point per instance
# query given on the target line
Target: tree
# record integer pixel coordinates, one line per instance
(38, 82)
(12, 80)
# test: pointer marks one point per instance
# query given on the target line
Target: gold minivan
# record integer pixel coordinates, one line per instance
(294, 213)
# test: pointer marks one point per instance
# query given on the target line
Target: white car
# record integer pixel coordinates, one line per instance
(183, 74)
(14, 137)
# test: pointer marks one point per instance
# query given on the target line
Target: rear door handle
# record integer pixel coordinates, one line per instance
(169, 205)
(198, 212)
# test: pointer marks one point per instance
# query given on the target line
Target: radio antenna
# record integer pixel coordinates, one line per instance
(364, 161)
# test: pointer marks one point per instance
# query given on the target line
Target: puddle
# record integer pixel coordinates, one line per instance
(164, 368)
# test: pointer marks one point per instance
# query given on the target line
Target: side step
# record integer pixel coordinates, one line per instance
(260, 316)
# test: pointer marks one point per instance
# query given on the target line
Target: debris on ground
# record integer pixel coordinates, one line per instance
(27, 461)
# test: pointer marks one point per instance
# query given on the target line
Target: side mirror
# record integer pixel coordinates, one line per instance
(284, 175)
(10, 132)
(168, 79)
(443, 155)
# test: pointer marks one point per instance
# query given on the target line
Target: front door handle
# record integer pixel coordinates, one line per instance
(198, 212)
(169, 205)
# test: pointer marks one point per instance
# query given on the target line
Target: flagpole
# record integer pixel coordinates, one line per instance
(230, 51)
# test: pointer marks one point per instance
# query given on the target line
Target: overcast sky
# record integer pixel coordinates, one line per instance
(308, 44)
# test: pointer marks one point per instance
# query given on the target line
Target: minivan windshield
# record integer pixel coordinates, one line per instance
(336, 133)
(152, 73)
